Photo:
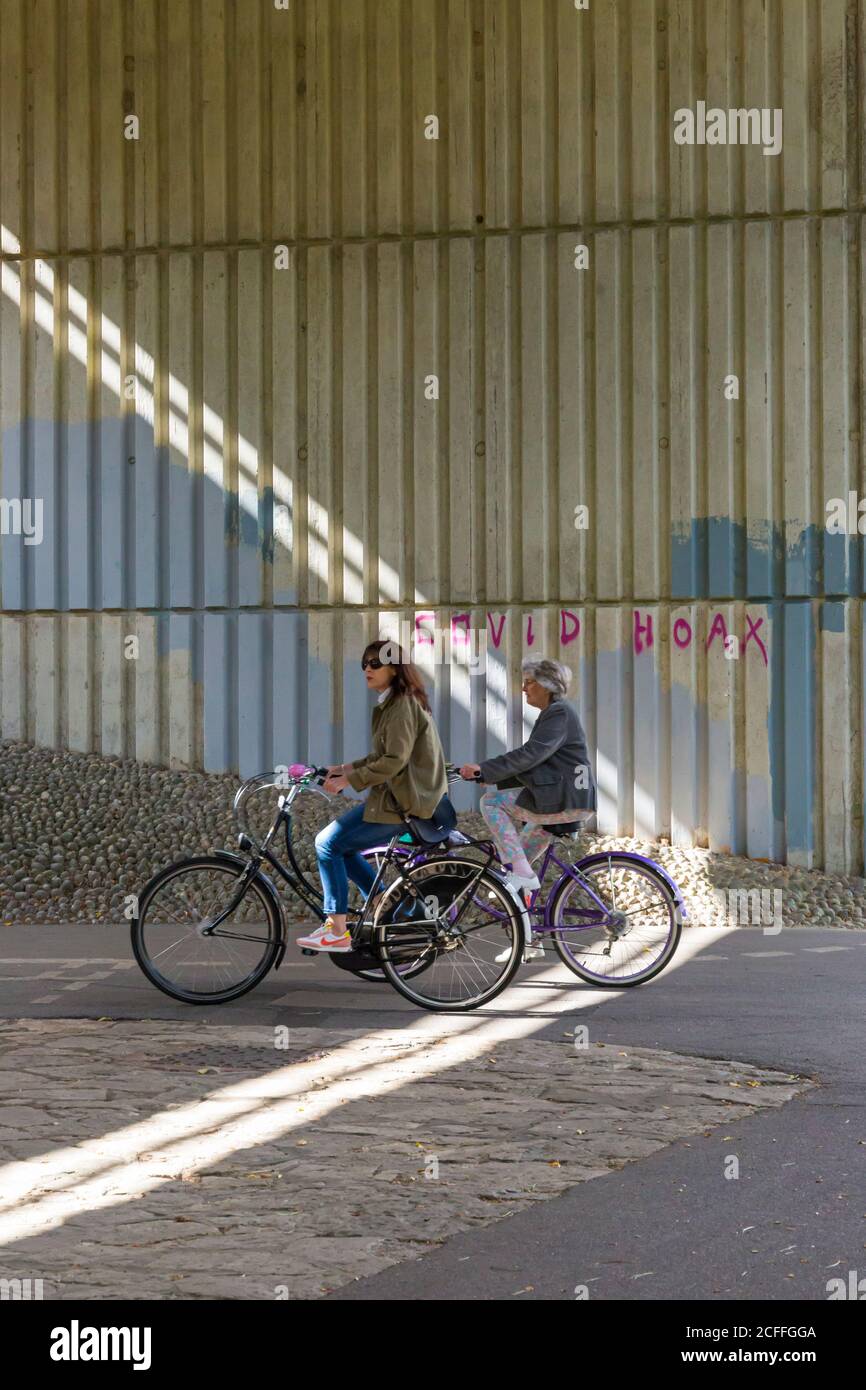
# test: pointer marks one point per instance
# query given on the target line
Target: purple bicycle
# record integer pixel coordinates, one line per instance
(614, 918)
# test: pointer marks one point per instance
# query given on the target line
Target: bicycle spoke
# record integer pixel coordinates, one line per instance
(474, 921)
(187, 962)
(635, 934)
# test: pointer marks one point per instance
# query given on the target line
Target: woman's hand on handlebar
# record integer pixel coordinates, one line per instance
(470, 772)
(336, 780)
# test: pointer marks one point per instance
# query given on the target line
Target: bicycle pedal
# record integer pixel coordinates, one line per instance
(305, 951)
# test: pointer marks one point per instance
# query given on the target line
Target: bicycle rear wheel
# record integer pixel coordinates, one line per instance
(631, 937)
(175, 956)
(447, 961)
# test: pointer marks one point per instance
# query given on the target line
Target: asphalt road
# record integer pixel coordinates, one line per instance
(672, 1226)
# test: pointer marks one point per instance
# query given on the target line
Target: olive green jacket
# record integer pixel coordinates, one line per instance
(406, 769)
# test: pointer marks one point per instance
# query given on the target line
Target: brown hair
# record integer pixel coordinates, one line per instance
(407, 678)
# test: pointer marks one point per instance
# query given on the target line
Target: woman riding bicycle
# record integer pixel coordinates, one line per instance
(547, 781)
(405, 774)
(209, 927)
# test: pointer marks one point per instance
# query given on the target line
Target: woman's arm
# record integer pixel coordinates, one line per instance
(541, 745)
(343, 769)
(400, 734)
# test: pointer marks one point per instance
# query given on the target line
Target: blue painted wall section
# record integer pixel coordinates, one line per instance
(800, 731)
(718, 558)
(129, 528)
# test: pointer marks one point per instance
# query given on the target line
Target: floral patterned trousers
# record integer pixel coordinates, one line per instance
(518, 836)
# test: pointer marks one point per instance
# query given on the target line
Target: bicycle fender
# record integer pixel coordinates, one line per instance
(520, 905)
(650, 864)
(265, 883)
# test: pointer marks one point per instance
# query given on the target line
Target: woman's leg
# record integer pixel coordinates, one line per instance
(496, 807)
(513, 842)
(331, 856)
(359, 869)
(338, 850)
(534, 839)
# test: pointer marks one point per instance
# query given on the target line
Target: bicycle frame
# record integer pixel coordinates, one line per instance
(309, 893)
(294, 878)
(540, 913)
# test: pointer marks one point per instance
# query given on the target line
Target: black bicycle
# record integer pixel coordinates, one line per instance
(439, 924)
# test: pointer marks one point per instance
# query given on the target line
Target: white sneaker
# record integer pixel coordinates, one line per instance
(324, 939)
(523, 885)
(533, 952)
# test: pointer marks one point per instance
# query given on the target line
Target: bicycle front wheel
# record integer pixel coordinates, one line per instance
(467, 947)
(628, 935)
(167, 938)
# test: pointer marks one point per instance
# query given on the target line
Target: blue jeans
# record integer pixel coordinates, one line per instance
(338, 849)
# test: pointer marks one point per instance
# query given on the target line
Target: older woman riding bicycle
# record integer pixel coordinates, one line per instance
(548, 781)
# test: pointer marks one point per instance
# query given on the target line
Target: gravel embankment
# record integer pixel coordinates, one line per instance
(79, 833)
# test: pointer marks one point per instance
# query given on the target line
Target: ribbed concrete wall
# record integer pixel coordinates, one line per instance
(216, 341)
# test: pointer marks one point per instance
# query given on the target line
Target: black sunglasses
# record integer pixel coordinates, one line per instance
(372, 661)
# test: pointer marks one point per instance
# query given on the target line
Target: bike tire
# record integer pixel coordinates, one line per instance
(494, 887)
(138, 928)
(588, 977)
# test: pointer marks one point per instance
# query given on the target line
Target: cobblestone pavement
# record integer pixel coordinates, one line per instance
(158, 1160)
(80, 833)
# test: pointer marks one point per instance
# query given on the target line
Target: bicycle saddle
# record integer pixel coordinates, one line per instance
(438, 827)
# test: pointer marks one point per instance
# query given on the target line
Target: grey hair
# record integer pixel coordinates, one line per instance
(552, 675)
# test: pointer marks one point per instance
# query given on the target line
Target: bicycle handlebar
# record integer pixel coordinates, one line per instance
(296, 775)
(299, 772)
(453, 773)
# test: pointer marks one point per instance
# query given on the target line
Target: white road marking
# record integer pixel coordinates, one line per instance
(761, 955)
(65, 960)
(66, 965)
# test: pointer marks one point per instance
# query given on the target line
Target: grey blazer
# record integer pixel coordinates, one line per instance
(547, 765)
